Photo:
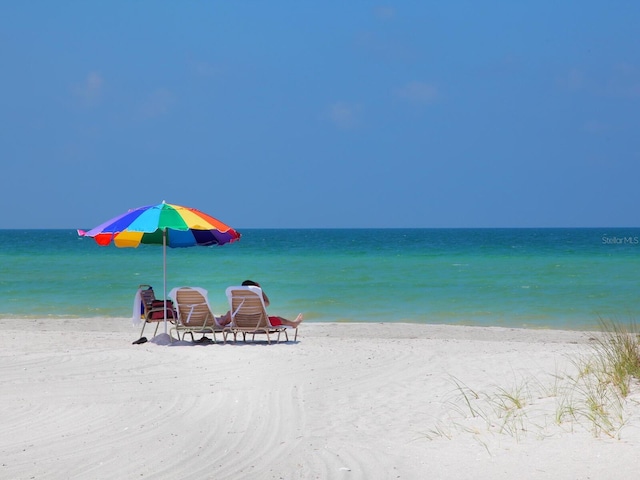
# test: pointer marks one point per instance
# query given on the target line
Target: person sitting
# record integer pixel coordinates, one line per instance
(275, 321)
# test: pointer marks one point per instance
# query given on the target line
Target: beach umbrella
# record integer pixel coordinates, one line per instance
(163, 224)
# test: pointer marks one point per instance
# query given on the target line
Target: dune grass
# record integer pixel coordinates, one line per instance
(593, 396)
(617, 355)
(605, 378)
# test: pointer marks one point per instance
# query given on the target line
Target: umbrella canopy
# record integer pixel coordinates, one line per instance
(177, 225)
(163, 224)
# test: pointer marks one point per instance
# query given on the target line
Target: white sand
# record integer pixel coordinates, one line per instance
(347, 401)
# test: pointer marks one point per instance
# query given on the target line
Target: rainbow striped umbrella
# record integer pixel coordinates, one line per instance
(164, 224)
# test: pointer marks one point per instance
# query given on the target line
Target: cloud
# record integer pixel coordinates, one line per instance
(343, 115)
(596, 127)
(418, 93)
(390, 48)
(624, 81)
(619, 81)
(158, 103)
(205, 69)
(90, 91)
(384, 12)
(573, 80)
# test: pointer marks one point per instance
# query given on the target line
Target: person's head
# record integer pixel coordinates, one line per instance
(250, 283)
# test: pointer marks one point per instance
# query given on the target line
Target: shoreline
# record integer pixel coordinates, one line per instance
(356, 400)
(117, 322)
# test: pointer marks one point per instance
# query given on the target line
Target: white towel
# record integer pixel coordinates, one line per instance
(136, 317)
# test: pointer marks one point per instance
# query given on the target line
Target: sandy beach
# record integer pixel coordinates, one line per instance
(346, 401)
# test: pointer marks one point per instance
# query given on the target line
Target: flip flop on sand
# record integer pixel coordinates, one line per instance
(139, 341)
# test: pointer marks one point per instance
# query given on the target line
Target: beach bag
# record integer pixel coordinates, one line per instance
(159, 314)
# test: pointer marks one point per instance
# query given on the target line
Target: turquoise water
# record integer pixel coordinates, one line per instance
(555, 278)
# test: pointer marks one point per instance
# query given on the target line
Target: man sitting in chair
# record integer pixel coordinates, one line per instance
(275, 321)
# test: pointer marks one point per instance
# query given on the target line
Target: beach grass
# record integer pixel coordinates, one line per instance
(592, 396)
(606, 378)
(617, 354)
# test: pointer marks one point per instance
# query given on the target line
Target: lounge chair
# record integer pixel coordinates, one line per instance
(151, 309)
(194, 313)
(249, 315)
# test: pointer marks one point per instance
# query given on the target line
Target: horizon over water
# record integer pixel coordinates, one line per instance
(562, 278)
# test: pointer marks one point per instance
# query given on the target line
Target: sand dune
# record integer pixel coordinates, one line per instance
(352, 401)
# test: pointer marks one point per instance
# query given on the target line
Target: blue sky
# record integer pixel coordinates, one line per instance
(322, 114)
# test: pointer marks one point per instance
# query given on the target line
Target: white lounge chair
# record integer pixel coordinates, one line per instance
(249, 315)
(194, 313)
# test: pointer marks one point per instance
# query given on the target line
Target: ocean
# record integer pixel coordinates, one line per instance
(531, 278)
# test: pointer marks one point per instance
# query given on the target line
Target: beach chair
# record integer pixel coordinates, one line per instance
(249, 315)
(152, 309)
(194, 313)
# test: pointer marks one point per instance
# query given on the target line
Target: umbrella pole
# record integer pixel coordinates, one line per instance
(164, 275)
